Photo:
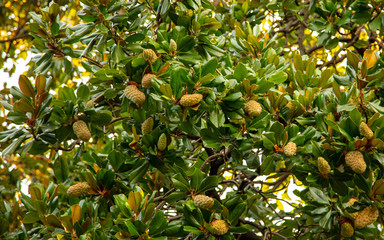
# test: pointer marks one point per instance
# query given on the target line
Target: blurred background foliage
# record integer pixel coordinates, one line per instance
(315, 68)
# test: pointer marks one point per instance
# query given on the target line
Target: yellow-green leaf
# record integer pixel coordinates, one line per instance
(76, 213)
(134, 201)
(40, 84)
(371, 58)
(26, 86)
(378, 187)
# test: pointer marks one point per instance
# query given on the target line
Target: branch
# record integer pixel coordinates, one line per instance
(14, 38)
(259, 227)
(93, 62)
(118, 119)
(335, 58)
(209, 159)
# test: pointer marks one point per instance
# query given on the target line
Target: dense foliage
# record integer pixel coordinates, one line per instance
(132, 111)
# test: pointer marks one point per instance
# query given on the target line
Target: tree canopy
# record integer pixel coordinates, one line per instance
(193, 119)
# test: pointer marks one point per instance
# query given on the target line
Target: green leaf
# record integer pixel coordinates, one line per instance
(116, 159)
(31, 217)
(157, 224)
(208, 183)
(241, 72)
(26, 86)
(193, 230)
(122, 202)
(60, 168)
(131, 228)
(278, 77)
(318, 195)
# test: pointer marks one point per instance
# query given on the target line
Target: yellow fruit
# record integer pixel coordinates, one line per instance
(81, 130)
(162, 142)
(149, 55)
(355, 160)
(189, 100)
(78, 189)
(172, 46)
(290, 149)
(135, 95)
(253, 108)
(323, 165)
(90, 104)
(202, 201)
(366, 217)
(365, 131)
(146, 81)
(219, 227)
(147, 126)
(347, 230)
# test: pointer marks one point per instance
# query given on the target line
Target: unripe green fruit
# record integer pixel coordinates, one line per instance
(172, 46)
(162, 142)
(219, 227)
(202, 201)
(290, 149)
(253, 108)
(78, 189)
(150, 55)
(323, 166)
(189, 100)
(346, 230)
(147, 126)
(366, 217)
(135, 95)
(146, 81)
(81, 130)
(365, 131)
(355, 160)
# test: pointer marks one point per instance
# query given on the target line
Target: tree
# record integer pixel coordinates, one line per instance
(196, 120)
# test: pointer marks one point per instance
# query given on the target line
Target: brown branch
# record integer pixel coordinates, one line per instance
(259, 227)
(335, 58)
(15, 38)
(209, 159)
(118, 119)
(92, 61)
(68, 149)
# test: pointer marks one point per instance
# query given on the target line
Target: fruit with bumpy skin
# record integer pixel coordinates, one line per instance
(355, 160)
(146, 81)
(78, 189)
(365, 131)
(202, 201)
(323, 166)
(189, 100)
(172, 46)
(150, 55)
(162, 142)
(346, 229)
(90, 104)
(290, 149)
(366, 217)
(253, 108)
(147, 126)
(219, 227)
(81, 130)
(135, 95)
